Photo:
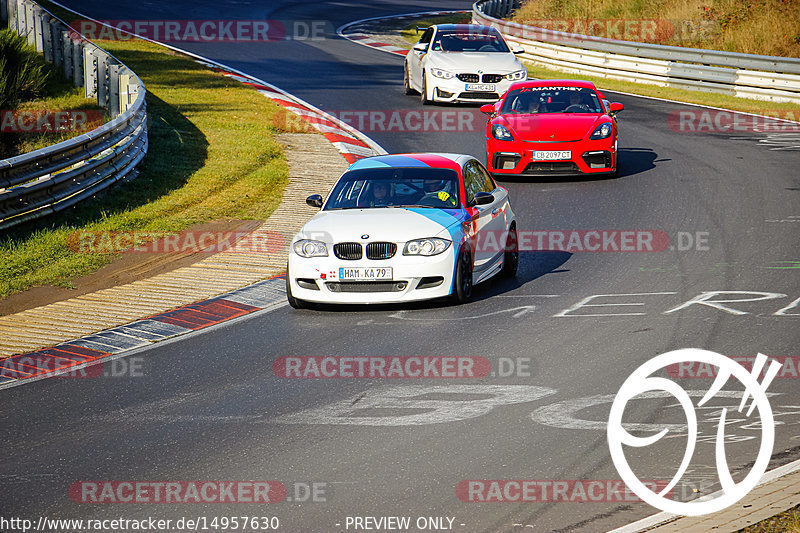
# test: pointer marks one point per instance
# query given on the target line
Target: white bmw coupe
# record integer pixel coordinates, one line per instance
(404, 227)
(461, 63)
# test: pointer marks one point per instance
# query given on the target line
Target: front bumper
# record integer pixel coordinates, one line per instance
(517, 157)
(455, 90)
(414, 278)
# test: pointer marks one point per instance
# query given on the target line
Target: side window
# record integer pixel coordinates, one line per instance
(473, 181)
(426, 37)
(486, 178)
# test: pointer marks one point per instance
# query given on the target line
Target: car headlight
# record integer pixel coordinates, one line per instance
(439, 73)
(309, 248)
(501, 133)
(517, 75)
(602, 131)
(431, 246)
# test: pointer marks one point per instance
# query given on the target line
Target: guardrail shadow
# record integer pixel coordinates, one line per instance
(532, 265)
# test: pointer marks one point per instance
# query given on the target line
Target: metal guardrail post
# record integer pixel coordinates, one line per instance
(54, 37)
(11, 11)
(124, 91)
(114, 71)
(38, 33)
(89, 72)
(66, 54)
(103, 78)
(77, 63)
(30, 33)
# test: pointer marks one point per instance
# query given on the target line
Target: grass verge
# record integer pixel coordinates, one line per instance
(767, 27)
(777, 109)
(212, 157)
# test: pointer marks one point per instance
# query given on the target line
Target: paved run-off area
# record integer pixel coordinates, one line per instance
(314, 165)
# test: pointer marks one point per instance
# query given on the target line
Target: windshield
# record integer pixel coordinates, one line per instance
(469, 41)
(552, 100)
(396, 187)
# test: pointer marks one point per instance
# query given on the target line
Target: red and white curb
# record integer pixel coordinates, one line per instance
(353, 31)
(71, 357)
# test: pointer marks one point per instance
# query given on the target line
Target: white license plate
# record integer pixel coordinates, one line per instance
(551, 155)
(365, 273)
(489, 87)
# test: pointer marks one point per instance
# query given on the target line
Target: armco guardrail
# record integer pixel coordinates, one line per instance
(745, 75)
(59, 176)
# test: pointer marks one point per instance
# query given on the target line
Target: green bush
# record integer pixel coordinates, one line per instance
(23, 71)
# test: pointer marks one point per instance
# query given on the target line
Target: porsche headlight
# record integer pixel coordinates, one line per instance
(517, 75)
(602, 131)
(501, 133)
(309, 248)
(439, 73)
(427, 247)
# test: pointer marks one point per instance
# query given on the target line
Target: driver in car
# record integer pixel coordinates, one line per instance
(380, 194)
(435, 194)
(577, 102)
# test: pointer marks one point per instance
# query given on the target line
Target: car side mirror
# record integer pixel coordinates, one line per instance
(315, 200)
(615, 108)
(487, 108)
(482, 198)
(420, 47)
(518, 50)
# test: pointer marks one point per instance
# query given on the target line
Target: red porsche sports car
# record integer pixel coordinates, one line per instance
(552, 127)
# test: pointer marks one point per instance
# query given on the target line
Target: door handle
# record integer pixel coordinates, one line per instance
(495, 210)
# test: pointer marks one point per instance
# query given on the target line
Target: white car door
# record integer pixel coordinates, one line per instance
(415, 58)
(489, 224)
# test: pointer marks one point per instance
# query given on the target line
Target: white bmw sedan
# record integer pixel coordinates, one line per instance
(461, 63)
(404, 227)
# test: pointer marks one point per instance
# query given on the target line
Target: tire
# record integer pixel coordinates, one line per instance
(511, 256)
(406, 84)
(462, 287)
(423, 94)
(294, 302)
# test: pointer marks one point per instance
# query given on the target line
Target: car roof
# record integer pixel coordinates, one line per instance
(464, 27)
(420, 159)
(553, 83)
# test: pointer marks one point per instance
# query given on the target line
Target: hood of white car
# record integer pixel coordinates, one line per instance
(392, 224)
(488, 62)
